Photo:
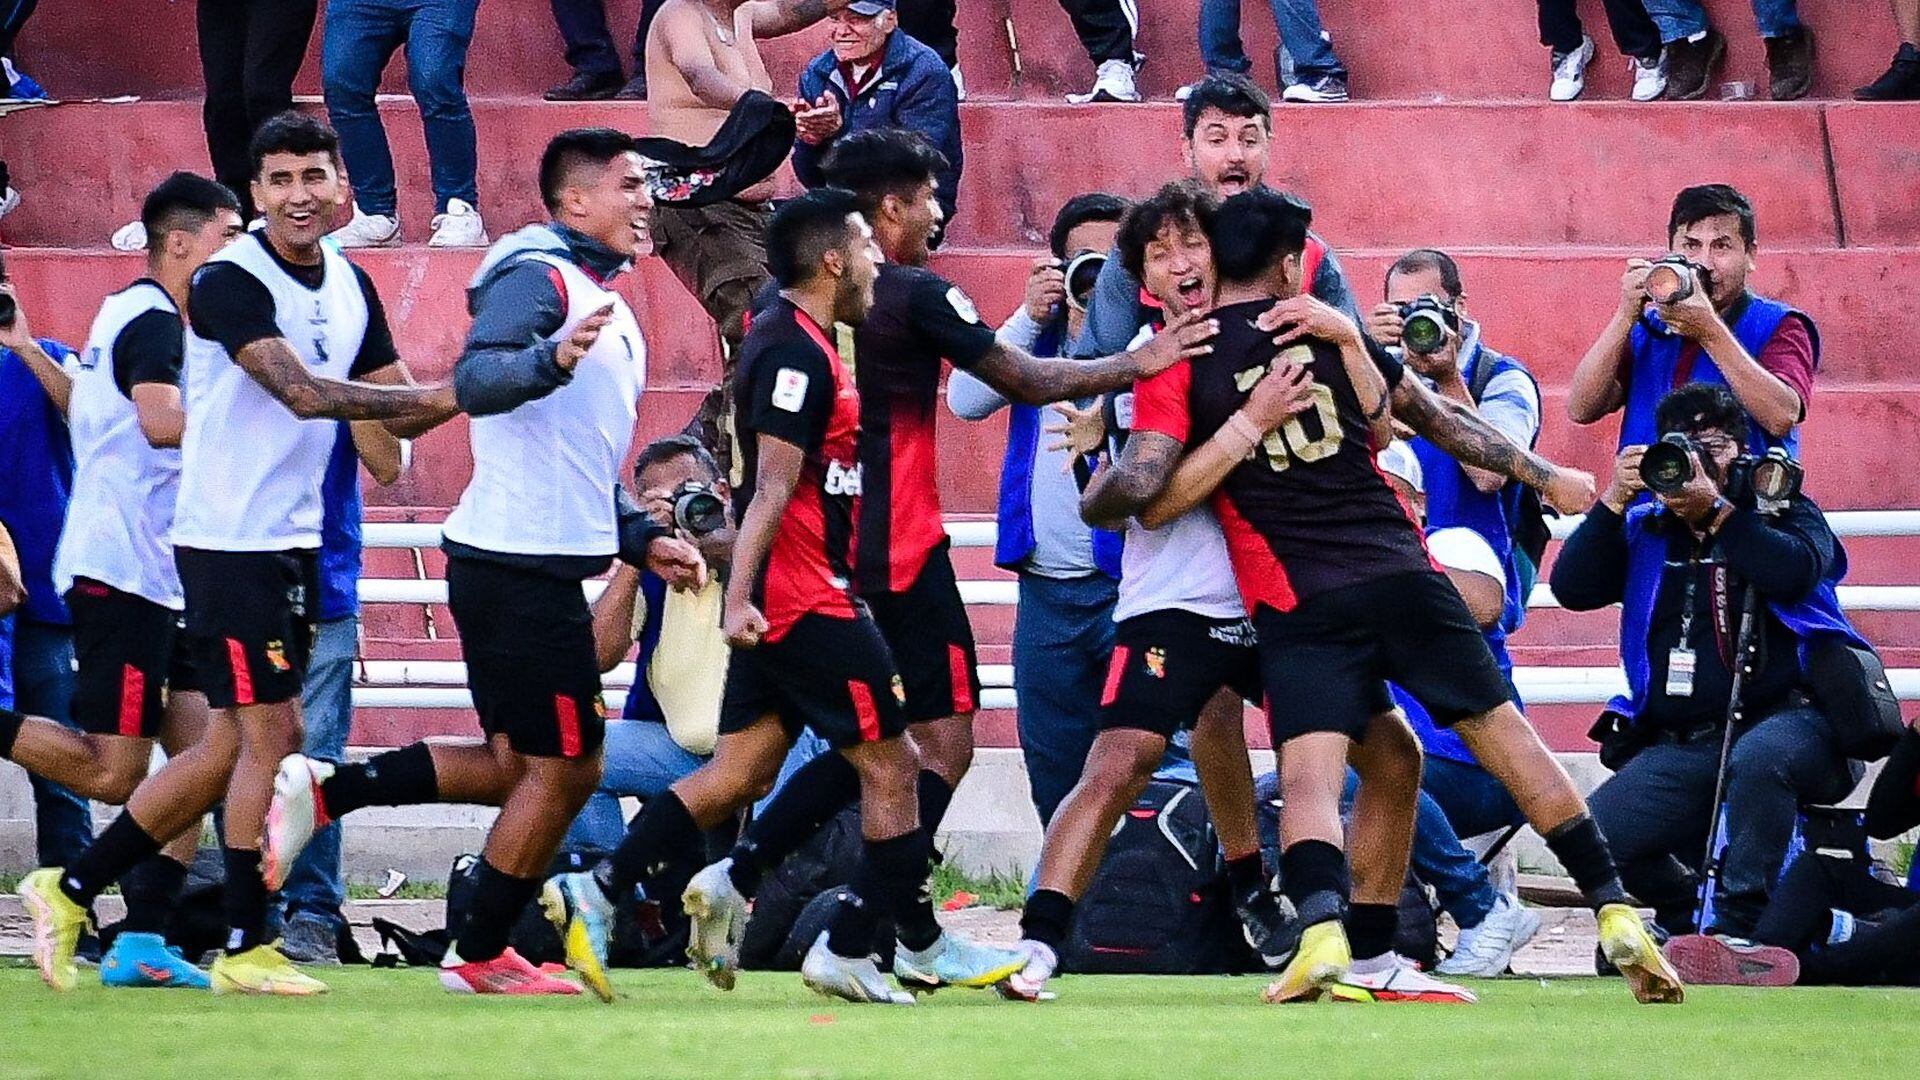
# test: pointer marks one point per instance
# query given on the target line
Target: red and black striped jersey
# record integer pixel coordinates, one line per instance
(791, 385)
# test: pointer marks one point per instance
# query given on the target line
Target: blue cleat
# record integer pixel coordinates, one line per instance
(147, 960)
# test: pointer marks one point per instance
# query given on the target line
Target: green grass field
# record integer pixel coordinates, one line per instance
(670, 1024)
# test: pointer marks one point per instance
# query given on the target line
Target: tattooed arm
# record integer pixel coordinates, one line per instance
(772, 18)
(276, 367)
(1123, 489)
(1031, 381)
(1469, 439)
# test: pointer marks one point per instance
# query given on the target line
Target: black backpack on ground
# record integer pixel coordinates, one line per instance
(796, 901)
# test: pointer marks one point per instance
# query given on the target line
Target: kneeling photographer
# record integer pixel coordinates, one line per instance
(1685, 566)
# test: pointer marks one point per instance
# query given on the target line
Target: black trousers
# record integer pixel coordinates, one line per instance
(930, 22)
(590, 50)
(1105, 27)
(1885, 947)
(1633, 30)
(13, 15)
(250, 50)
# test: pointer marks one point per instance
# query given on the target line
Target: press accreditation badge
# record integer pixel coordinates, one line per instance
(1680, 673)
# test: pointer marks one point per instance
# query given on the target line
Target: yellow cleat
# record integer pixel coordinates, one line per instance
(262, 970)
(1624, 939)
(57, 925)
(1322, 959)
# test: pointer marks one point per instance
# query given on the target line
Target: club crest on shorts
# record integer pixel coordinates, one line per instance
(277, 655)
(1156, 658)
(963, 305)
(899, 690)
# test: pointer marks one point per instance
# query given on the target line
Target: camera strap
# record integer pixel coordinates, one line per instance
(1681, 658)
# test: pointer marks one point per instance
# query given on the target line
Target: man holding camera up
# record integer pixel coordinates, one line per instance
(1681, 566)
(1689, 317)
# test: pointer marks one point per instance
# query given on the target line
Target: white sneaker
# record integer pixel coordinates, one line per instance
(1394, 979)
(459, 227)
(367, 230)
(1030, 982)
(832, 975)
(1649, 80)
(129, 237)
(1570, 71)
(1113, 82)
(1326, 88)
(959, 82)
(292, 817)
(1487, 950)
(719, 916)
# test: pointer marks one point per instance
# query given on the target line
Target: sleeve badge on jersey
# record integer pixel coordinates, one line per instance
(790, 389)
(962, 305)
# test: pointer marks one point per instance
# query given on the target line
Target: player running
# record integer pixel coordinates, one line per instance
(1344, 597)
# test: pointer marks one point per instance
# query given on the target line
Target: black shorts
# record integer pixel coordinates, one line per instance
(1167, 665)
(250, 622)
(926, 627)
(130, 653)
(527, 638)
(1326, 663)
(833, 675)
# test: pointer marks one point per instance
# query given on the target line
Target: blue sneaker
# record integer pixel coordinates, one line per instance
(20, 86)
(147, 960)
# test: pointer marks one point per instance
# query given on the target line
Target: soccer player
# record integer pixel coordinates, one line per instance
(284, 330)
(552, 374)
(114, 564)
(1344, 597)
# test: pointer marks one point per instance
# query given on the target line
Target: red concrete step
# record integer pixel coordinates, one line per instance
(1520, 174)
(1406, 50)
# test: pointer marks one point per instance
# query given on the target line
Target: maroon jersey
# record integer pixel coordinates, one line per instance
(1308, 510)
(792, 386)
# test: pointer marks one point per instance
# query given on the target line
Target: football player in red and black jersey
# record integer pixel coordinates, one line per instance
(1344, 597)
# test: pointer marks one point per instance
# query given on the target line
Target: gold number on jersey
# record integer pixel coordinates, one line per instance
(1291, 440)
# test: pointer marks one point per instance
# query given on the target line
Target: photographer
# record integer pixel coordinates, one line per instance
(1681, 564)
(1689, 317)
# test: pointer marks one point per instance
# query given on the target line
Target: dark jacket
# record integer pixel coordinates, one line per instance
(914, 91)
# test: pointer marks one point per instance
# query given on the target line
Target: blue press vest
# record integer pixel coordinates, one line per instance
(6, 661)
(340, 530)
(641, 704)
(36, 479)
(1656, 360)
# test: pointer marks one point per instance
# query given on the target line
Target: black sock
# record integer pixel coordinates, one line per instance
(403, 777)
(10, 722)
(856, 915)
(1047, 919)
(935, 796)
(1315, 875)
(663, 830)
(806, 802)
(912, 897)
(1246, 877)
(120, 847)
(1370, 929)
(246, 897)
(889, 882)
(152, 889)
(1584, 852)
(498, 900)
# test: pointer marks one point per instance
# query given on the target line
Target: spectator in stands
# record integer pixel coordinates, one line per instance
(875, 76)
(1679, 565)
(13, 15)
(1317, 74)
(1901, 82)
(931, 23)
(1634, 32)
(1764, 351)
(1063, 626)
(34, 487)
(596, 63)
(250, 50)
(315, 889)
(1696, 49)
(361, 38)
(1106, 29)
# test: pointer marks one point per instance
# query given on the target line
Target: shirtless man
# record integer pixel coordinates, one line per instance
(702, 57)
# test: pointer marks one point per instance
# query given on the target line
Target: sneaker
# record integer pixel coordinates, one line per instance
(1270, 927)
(719, 916)
(147, 960)
(459, 227)
(1692, 64)
(1325, 88)
(367, 230)
(297, 809)
(57, 925)
(310, 940)
(1790, 65)
(507, 973)
(263, 969)
(1113, 82)
(1713, 960)
(20, 86)
(1487, 950)
(1901, 82)
(953, 960)
(1030, 982)
(959, 82)
(1322, 960)
(129, 237)
(1649, 76)
(635, 90)
(585, 87)
(831, 975)
(1570, 71)
(579, 909)
(1626, 944)
(1394, 979)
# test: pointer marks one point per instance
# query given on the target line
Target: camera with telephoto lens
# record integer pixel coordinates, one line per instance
(697, 509)
(9, 309)
(1767, 482)
(1668, 464)
(1425, 323)
(1081, 272)
(1671, 279)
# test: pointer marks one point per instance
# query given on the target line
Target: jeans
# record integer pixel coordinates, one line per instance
(1656, 812)
(590, 51)
(1301, 35)
(43, 686)
(315, 888)
(1062, 641)
(1439, 859)
(1472, 799)
(1684, 18)
(1633, 32)
(250, 50)
(361, 37)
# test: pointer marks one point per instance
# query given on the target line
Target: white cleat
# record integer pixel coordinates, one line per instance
(295, 814)
(1030, 982)
(1570, 71)
(719, 916)
(1395, 979)
(460, 226)
(1487, 950)
(831, 975)
(953, 960)
(366, 230)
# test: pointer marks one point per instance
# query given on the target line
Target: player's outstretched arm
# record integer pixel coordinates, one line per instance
(279, 370)
(1286, 390)
(1468, 437)
(1121, 490)
(774, 484)
(1029, 380)
(379, 444)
